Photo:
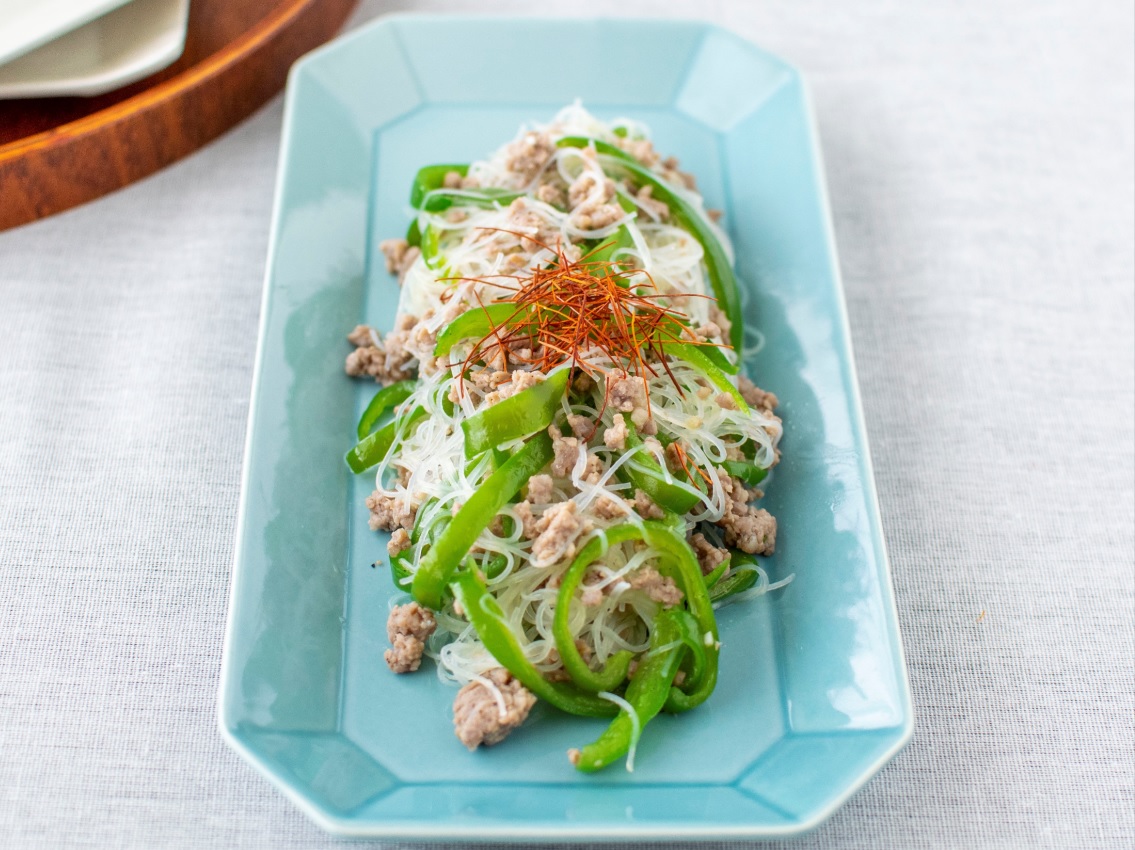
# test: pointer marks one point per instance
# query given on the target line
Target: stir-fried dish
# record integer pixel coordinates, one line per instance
(565, 452)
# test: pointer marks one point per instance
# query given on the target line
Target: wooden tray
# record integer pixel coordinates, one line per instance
(56, 153)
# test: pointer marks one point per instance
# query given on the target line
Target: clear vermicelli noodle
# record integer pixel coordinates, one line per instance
(568, 456)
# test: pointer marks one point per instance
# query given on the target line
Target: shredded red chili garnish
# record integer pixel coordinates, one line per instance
(568, 308)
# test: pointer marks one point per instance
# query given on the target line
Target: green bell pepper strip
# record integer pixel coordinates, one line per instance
(714, 576)
(491, 567)
(439, 200)
(736, 582)
(399, 571)
(678, 558)
(690, 635)
(414, 234)
(400, 563)
(517, 416)
(684, 215)
(718, 359)
(644, 473)
(646, 694)
(428, 191)
(495, 564)
(606, 250)
(430, 178)
(430, 247)
(612, 675)
(372, 449)
(696, 357)
(488, 620)
(383, 400)
(749, 473)
(678, 333)
(437, 525)
(437, 566)
(737, 558)
(478, 323)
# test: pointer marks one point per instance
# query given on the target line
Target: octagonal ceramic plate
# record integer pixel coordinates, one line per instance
(813, 697)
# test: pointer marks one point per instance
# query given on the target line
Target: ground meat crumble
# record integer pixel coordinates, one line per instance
(658, 587)
(709, 556)
(540, 489)
(747, 528)
(757, 398)
(646, 507)
(399, 542)
(387, 361)
(388, 513)
(408, 627)
(558, 530)
(528, 520)
(478, 717)
(566, 451)
(400, 255)
(527, 156)
(615, 435)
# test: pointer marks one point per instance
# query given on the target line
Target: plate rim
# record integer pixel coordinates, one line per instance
(418, 830)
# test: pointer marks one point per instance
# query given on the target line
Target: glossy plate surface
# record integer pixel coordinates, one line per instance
(813, 697)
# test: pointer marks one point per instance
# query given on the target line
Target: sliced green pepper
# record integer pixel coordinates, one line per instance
(500, 458)
(517, 416)
(737, 558)
(613, 674)
(428, 191)
(383, 400)
(440, 200)
(695, 355)
(644, 473)
(714, 576)
(736, 582)
(684, 215)
(400, 563)
(678, 559)
(399, 571)
(487, 618)
(619, 241)
(438, 565)
(430, 178)
(478, 323)
(678, 333)
(697, 656)
(749, 473)
(430, 246)
(372, 449)
(494, 564)
(646, 694)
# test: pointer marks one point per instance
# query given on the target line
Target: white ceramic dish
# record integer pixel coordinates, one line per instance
(26, 24)
(120, 47)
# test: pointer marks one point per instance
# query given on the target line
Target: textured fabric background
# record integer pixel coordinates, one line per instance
(979, 156)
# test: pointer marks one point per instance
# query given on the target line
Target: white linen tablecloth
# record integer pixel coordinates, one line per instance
(979, 156)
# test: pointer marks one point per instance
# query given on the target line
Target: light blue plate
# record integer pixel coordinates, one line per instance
(813, 697)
